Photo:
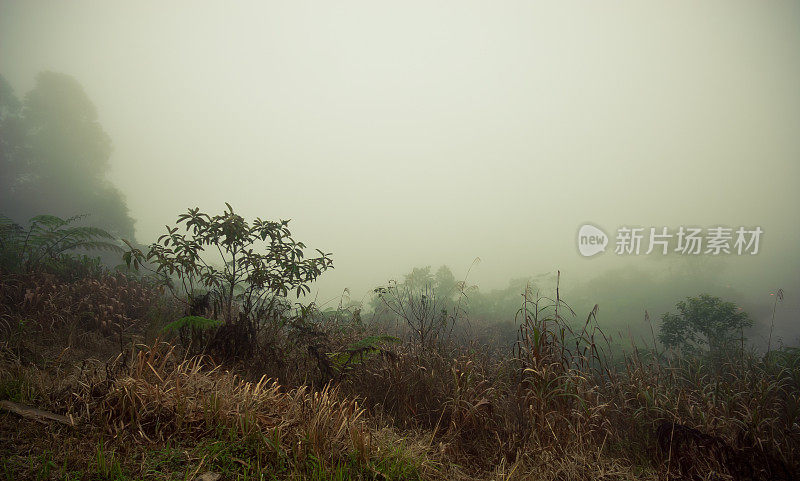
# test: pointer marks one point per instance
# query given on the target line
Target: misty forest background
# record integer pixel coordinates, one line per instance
(56, 157)
(338, 241)
(425, 377)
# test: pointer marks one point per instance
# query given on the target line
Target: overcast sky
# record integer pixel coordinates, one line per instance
(396, 134)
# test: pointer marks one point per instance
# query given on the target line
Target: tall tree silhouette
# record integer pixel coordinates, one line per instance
(54, 156)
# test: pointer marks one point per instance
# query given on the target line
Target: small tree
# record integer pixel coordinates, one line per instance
(703, 322)
(427, 303)
(258, 265)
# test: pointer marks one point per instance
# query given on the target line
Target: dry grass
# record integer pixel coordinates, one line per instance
(562, 397)
(155, 397)
(558, 408)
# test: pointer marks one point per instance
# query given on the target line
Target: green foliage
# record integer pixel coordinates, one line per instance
(49, 243)
(108, 463)
(785, 357)
(17, 389)
(704, 322)
(192, 322)
(357, 352)
(247, 269)
(247, 274)
(194, 331)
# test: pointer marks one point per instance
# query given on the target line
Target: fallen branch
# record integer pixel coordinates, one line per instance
(33, 413)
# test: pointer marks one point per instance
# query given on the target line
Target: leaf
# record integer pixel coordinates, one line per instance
(355, 352)
(193, 322)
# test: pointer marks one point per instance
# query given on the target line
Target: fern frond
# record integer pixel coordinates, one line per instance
(47, 240)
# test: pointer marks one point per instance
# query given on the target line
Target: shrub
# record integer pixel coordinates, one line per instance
(704, 322)
(258, 265)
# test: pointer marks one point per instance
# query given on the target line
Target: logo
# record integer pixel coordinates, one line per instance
(634, 241)
(591, 240)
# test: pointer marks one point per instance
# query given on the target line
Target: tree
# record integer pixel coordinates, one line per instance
(247, 276)
(704, 322)
(54, 156)
(11, 142)
(427, 303)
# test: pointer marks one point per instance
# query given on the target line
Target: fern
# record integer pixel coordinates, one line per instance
(48, 242)
(198, 323)
(360, 350)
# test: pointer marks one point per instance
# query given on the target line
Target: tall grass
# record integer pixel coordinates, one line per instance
(556, 406)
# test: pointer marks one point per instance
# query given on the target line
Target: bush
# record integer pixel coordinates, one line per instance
(703, 323)
(259, 265)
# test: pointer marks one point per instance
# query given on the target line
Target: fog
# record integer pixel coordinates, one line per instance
(406, 134)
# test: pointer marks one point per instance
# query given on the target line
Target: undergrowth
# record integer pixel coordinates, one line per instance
(333, 398)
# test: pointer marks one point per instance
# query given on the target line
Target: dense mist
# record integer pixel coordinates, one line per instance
(472, 135)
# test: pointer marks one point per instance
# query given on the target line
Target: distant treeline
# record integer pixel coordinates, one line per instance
(54, 156)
